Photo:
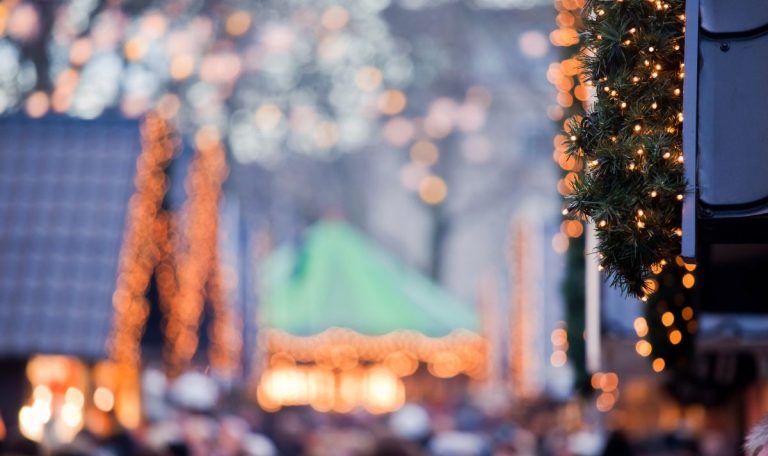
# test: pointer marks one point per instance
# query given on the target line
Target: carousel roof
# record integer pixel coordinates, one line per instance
(340, 279)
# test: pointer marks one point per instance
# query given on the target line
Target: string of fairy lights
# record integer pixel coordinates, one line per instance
(180, 249)
(142, 249)
(195, 252)
(339, 369)
(630, 139)
(573, 94)
(645, 103)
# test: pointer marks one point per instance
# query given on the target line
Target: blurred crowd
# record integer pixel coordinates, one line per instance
(192, 416)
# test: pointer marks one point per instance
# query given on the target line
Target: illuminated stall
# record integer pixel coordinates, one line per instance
(65, 187)
(345, 324)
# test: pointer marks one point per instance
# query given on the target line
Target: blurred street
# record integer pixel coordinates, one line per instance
(331, 228)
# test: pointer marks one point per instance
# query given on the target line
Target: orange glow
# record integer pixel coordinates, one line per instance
(675, 337)
(658, 364)
(641, 327)
(400, 351)
(609, 382)
(559, 337)
(196, 266)
(688, 280)
(182, 66)
(433, 190)
(37, 104)
(667, 318)
(687, 313)
(643, 348)
(80, 51)
(376, 388)
(135, 48)
(572, 228)
(445, 364)
(401, 363)
(558, 358)
(392, 102)
(238, 23)
(605, 402)
(425, 152)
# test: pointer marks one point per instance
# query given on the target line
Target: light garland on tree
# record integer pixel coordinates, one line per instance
(573, 97)
(196, 249)
(142, 249)
(632, 185)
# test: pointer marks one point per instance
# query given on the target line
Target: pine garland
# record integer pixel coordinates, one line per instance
(631, 139)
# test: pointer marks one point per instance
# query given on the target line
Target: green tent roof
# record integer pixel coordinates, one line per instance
(338, 278)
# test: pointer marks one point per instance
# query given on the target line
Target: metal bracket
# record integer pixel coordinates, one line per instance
(690, 129)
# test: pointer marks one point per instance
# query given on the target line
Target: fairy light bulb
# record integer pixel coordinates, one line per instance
(677, 92)
(640, 224)
(679, 197)
(654, 194)
(574, 138)
(623, 105)
(651, 49)
(640, 151)
(602, 223)
(666, 155)
(638, 127)
(635, 79)
(640, 213)
(654, 105)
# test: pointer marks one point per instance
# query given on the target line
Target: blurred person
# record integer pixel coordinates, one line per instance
(232, 430)
(258, 445)
(455, 443)
(411, 423)
(756, 443)
(389, 446)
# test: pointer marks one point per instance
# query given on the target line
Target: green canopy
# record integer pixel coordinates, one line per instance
(338, 278)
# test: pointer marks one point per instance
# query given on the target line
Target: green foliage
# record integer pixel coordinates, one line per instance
(630, 140)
